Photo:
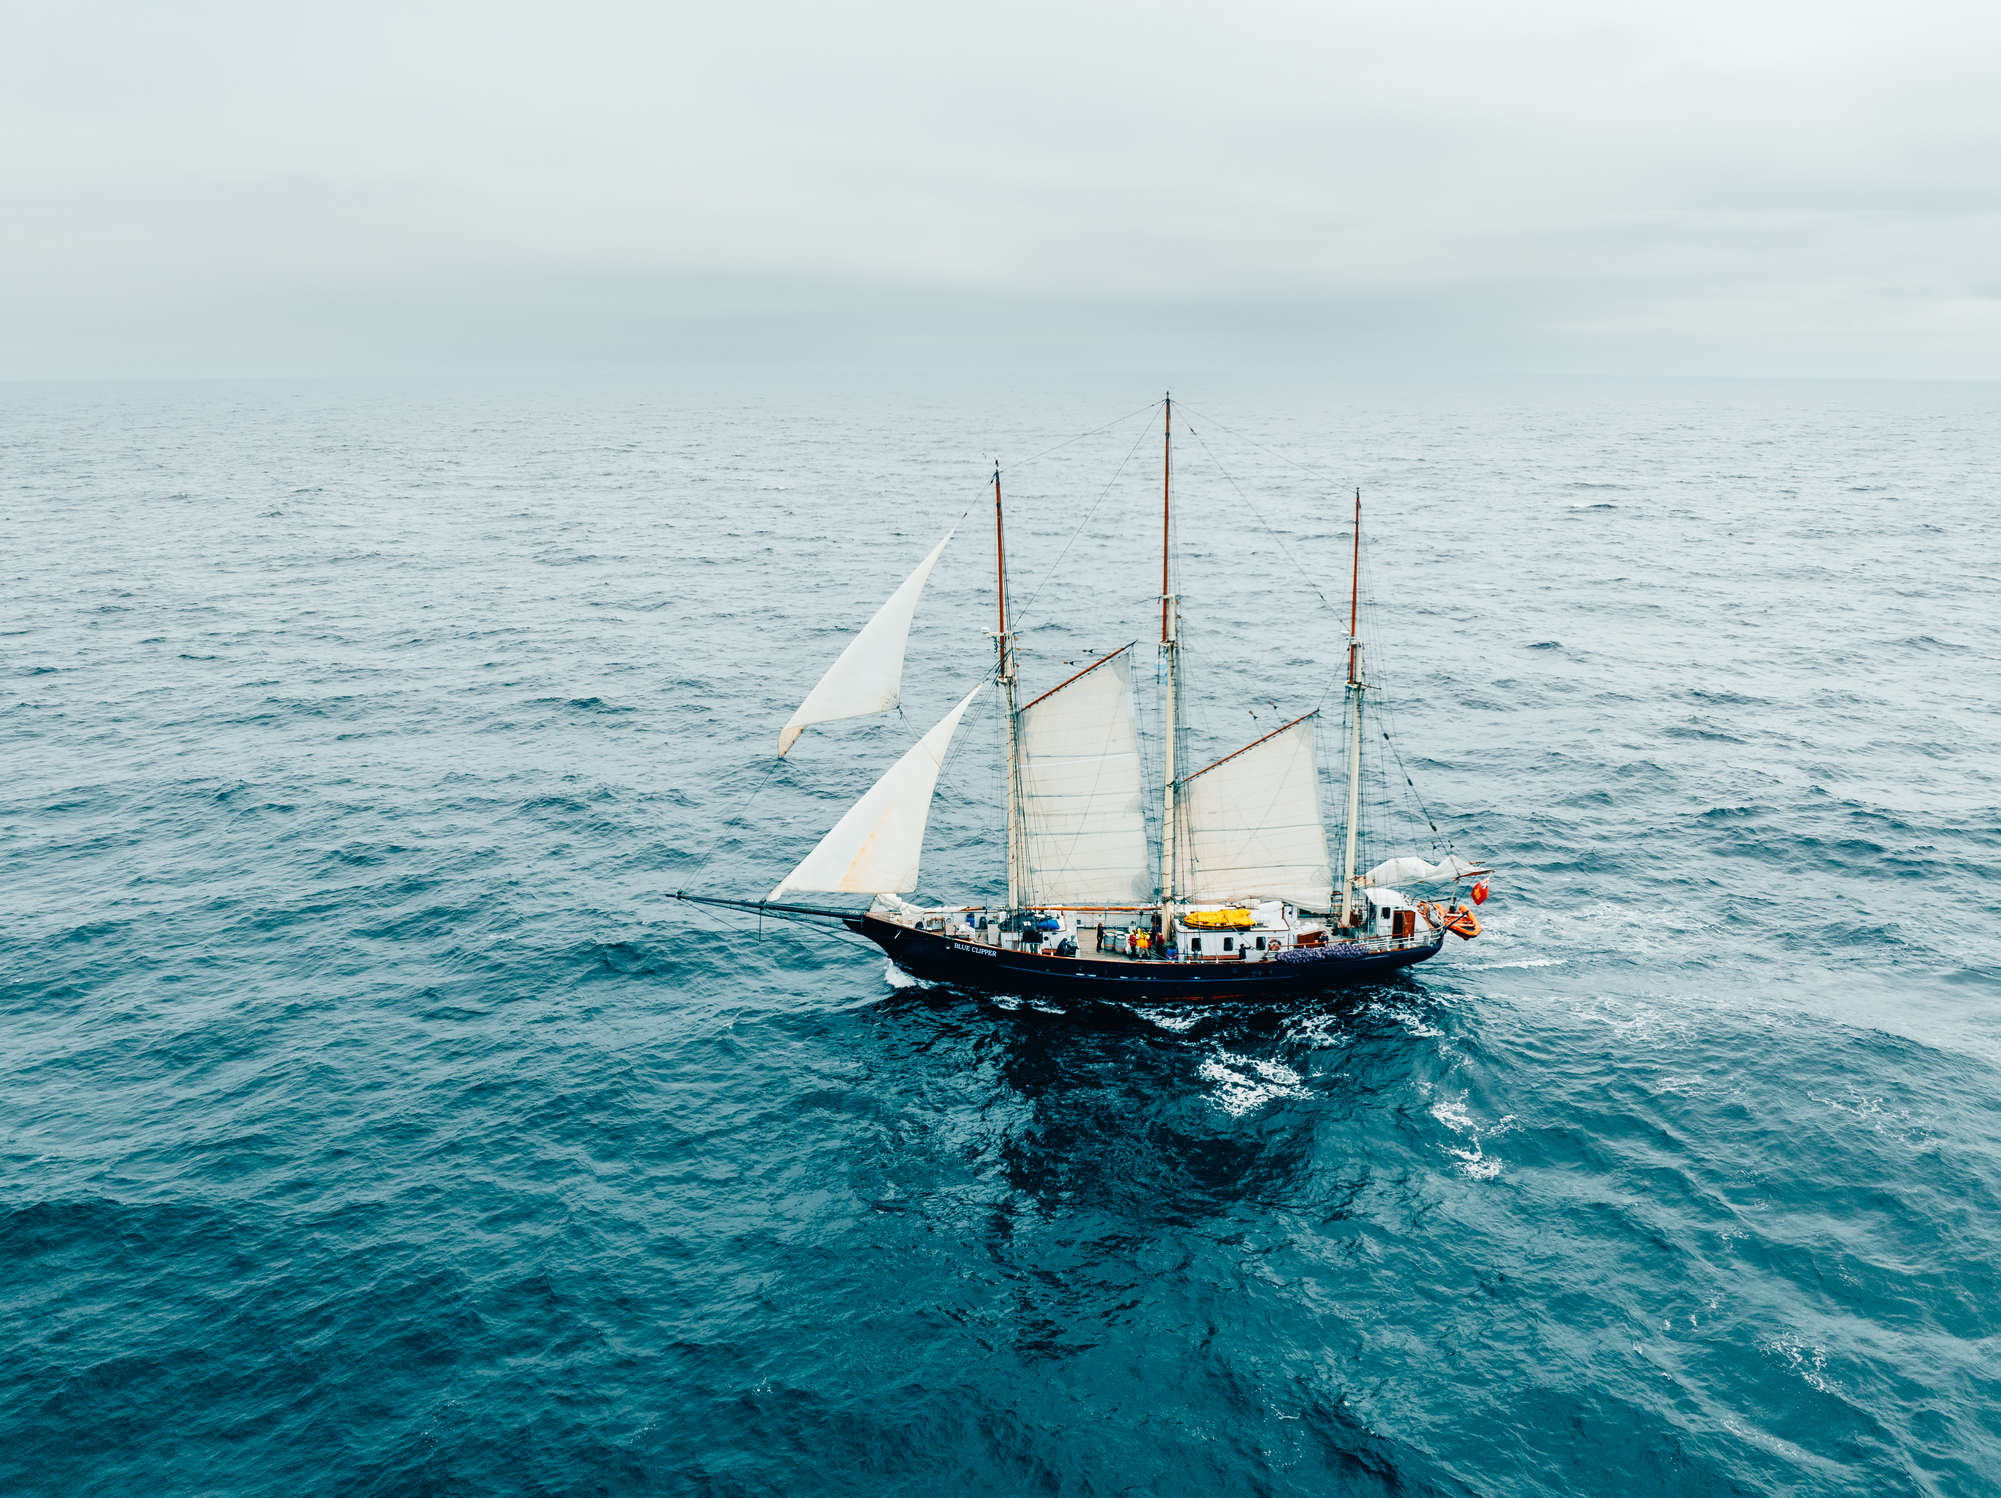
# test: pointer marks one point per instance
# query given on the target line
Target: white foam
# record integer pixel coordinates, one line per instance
(1807, 1362)
(1473, 1160)
(1476, 1164)
(1322, 1029)
(1243, 1084)
(1452, 1113)
(1411, 1023)
(1178, 1020)
(1684, 1085)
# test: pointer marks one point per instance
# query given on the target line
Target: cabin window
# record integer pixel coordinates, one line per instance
(1195, 945)
(1228, 943)
(1261, 943)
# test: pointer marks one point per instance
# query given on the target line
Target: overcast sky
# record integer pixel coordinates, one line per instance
(220, 186)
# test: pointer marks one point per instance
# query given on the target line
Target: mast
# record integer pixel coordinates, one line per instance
(1355, 689)
(1170, 656)
(1004, 674)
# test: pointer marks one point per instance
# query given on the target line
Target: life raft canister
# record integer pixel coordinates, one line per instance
(1430, 913)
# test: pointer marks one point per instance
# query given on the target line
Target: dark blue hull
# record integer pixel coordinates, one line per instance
(940, 958)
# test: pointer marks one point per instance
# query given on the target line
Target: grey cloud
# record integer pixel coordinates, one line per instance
(1742, 188)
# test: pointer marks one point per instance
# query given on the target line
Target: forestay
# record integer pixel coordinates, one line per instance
(875, 848)
(1250, 824)
(1083, 822)
(867, 677)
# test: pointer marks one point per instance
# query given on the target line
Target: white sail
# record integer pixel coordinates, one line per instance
(867, 677)
(1250, 824)
(875, 848)
(1411, 870)
(1083, 823)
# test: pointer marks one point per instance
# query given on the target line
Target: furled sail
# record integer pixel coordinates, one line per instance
(1410, 870)
(1082, 818)
(867, 677)
(875, 848)
(1250, 823)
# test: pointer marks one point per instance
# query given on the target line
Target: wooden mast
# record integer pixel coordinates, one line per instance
(1170, 652)
(1004, 674)
(1355, 689)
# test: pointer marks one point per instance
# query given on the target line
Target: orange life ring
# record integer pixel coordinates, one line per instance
(1463, 923)
(1430, 913)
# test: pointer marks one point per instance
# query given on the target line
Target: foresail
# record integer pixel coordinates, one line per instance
(867, 677)
(1250, 824)
(876, 847)
(1080, 785)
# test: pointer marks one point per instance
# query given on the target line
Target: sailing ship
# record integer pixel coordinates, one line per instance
(1236, 898)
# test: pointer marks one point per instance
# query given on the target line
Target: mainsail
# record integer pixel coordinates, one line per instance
(867, 677)
(1250, 823)
(1079, 788)
(875, 848)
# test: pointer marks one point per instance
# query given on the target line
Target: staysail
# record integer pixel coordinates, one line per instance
(875, 848)
(867, 677)
(1083, 823)
(1250, 823)
(1410, 870)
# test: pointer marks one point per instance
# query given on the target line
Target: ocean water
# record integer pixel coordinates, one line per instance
(372, 1122)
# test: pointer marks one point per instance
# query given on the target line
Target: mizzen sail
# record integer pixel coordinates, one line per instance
(1412, 870)
(867, 677)
(875, 848)
(1250, 823)
(1079, 788)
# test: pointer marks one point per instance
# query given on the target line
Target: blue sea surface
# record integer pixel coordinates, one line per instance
(373, 1122)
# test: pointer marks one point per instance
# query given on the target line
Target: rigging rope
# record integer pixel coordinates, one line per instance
(1319, 473)
(985, 488)
(746, 925)
(1067, 441)
(1022, 610)
(724, 825)
(1439, 839)
(1305, 576)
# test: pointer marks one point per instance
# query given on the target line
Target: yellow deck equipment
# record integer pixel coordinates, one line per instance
(1217, 920)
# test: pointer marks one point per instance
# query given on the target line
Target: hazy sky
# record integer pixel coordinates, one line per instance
(220, 186)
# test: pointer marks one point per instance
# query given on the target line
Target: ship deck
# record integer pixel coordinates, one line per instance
(1088, 954)
(954, 959)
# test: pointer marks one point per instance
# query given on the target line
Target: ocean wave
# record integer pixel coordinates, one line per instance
(373, 1123)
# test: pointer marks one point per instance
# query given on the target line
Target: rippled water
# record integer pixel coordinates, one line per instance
(372, 1122)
